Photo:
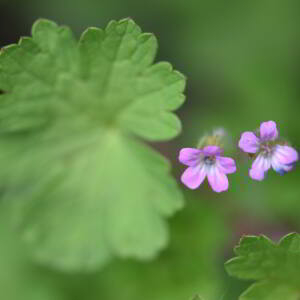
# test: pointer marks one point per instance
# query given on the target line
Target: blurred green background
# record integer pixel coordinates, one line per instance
(242, 61)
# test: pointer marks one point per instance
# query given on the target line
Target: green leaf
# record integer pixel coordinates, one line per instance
(83, 187)
(276, 267)
(19, 278)
(197, 297)
(189, 266)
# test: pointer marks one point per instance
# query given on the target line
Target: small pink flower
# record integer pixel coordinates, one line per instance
(206, 162)
(269, 152)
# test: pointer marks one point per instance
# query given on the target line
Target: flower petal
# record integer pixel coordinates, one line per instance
(212, 150)
(217, 180)
(192, 177)
(283, 159)
(279, 168)
(268, 131)
(285, 155)
(260, 165)
(262, 162)
(189, 156)
(257, 174)
(226, 164)
(249, 142)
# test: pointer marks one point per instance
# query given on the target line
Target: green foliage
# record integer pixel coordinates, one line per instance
(242, 60)
(82, 187)
(197, 297)
(19, 278)
(275, 267)
(187, 267)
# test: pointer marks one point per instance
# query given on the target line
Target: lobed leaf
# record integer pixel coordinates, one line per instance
(82, 186)
(276, 267)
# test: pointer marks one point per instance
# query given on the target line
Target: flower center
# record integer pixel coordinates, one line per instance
(267, 148)
(209, 160)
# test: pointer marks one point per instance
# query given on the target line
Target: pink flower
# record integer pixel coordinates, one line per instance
(269, 152)
(206, 162)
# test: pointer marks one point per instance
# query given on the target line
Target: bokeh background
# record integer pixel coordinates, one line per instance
(242, 61)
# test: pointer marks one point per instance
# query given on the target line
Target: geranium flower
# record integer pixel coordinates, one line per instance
(269, 151)
(207, 162)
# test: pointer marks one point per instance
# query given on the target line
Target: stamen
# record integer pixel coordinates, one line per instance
(209, 160)
(267, 148)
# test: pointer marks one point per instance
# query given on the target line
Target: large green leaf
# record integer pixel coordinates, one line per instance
(83, 187)
(19, 278)
(189, 266)
(276, 267)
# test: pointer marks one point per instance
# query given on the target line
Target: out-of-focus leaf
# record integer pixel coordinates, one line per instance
(189, 266)
(275, 267)
(197, 297)
(19, 278)
(83, 187)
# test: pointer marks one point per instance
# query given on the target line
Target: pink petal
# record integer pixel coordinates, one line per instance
(257, 174)
(226, 164)
(249, 142)
(260, 165)
(189, 156)
(212, 150)
(283, 159)
(280, 168)
(268, 131)
(217, 180)
(285, 155)
(192, 177)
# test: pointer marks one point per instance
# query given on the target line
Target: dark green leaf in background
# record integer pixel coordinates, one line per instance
(82, 186)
